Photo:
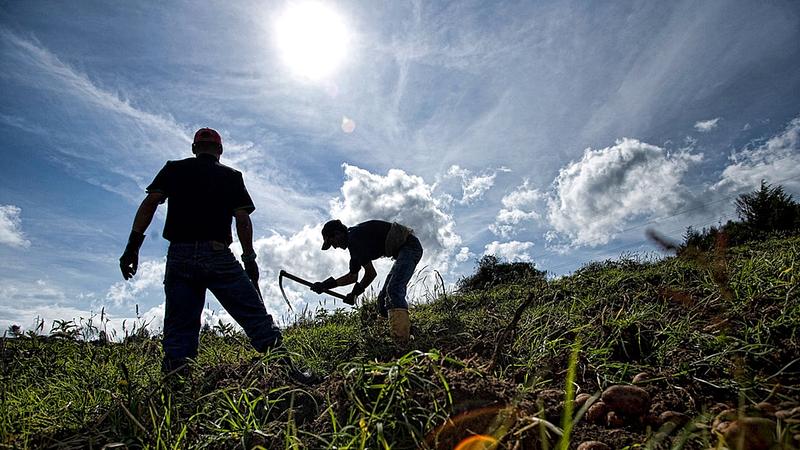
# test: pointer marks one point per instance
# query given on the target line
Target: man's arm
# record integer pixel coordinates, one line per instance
(129, 261)
(360, 286)
(348, 278)
(352, 277)
(369, 275)
(244, 229)
(146, 211)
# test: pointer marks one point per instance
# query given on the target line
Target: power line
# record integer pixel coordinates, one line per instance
(636, 244)
(701, 206)
(662, 219)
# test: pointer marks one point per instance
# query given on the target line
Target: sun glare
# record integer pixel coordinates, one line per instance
(312, 39)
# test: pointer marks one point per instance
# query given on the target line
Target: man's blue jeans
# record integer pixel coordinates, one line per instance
(191, 269)
(393, 294)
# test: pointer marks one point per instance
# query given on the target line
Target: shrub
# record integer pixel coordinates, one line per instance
(767, 209)
(763, 212)
(493, 271)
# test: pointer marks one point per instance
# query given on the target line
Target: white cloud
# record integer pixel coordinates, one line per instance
(777, 161)
(510, 251)
(394, 197)
(23, 302)
(10, 227)
(519, 206)
(154, 318)
(596, 196)
(472, 186)
(299, 254)
(400, 197)
(464, 255)
(705, 126)
(150, 275)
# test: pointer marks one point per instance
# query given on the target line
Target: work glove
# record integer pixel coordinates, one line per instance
(129, 261)
(251, 268)
(321, 286)
(350, 298)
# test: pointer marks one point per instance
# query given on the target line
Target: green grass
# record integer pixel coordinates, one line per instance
(709, 328)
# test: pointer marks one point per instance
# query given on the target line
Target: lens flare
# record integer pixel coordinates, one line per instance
(348, 125)
(478, 442)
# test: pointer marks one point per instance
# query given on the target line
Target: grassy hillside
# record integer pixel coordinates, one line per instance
(713, 338)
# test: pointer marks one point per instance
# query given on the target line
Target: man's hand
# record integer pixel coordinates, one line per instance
(350, 298)
(321, 286)
(251, 269)
(129, 261)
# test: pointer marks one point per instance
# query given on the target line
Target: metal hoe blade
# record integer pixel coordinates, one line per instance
(280, 285)
(284, 274)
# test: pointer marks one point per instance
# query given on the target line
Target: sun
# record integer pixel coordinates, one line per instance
(312, 39)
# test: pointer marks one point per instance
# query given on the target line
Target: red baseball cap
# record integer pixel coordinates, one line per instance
(207, 135)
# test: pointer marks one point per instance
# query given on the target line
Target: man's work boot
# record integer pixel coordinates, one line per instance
(400, 326)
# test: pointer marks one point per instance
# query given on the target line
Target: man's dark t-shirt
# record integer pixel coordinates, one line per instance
(203, 195)
(367, 242)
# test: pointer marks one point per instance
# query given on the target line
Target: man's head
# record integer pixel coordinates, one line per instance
(334, 234)
(207, 140)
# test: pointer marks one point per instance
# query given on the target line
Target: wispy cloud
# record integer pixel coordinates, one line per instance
(776, 161)
(135, 142)
(11, 227)
(79, 84)
(705, 126)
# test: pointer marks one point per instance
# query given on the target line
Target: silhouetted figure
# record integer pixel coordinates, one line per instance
(367, 242)
(204, 195)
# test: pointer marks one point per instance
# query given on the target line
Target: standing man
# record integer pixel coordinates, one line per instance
(204, 195)
(367, 242)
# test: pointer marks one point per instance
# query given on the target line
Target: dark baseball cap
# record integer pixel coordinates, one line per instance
(328, 229)
(207, 135)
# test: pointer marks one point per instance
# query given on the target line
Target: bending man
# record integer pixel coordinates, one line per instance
(367, 242)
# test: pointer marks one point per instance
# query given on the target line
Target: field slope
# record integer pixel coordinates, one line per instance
(713, 338)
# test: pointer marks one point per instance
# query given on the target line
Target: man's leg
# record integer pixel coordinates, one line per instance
(402, 271)
(383, 295)
(184, 305)
(236, 293)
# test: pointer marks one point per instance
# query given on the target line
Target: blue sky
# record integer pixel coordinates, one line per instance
(552, 132)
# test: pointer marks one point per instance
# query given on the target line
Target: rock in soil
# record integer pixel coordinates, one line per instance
(653, 419)
(723, 418)
(641, 377)
(767, 408)
(614, 420)
(630, 401)
(751, 433)
(679, 419)
(581, 399)
(593, 445)
(597, 413)
(787, 413)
